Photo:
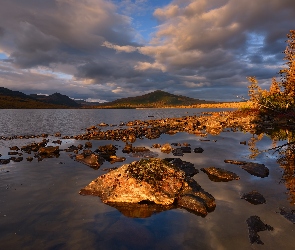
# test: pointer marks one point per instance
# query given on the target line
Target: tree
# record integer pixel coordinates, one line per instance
(274, 87)
(288, 74)
(254, 90)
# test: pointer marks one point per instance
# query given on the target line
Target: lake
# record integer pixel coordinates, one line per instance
(40, 205)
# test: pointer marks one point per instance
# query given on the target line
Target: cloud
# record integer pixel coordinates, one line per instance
(118, 48)
(91, 47)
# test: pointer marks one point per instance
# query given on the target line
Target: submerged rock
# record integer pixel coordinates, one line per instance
(288, 215)
(235, 162)
(256, 169)
(185, 166)
(195, 199)
(219, 174)
(177, 152)
(151, 181)
(4, 161)
(198, 150)
(16, 148)
(255, 225)
(254, 198)
(16, 159)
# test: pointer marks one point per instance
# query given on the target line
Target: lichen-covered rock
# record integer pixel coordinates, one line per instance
(254, 198)
(219, 174)
(154, 181)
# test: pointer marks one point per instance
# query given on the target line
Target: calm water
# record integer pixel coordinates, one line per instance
(40, 207)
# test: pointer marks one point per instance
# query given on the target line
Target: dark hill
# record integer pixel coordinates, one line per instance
(58, 99)
(157, 98)
(10, 99)
(12, 93)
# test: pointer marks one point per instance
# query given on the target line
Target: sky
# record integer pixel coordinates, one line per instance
(102, 50)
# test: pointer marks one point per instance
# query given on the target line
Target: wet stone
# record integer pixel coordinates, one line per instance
(71, 148)
(177, 152)
(16, 159)
(289, 215)
(186, 149)
(254, 198)
(219, 174)
(256, 169)
(58, 134)
(255, 225)
(198, 150)
(16, 148)
(144, 154)
(166, 148)
(156, 145)
(12, 153)
(235, 162)
(88, 144)
(185, 166)
(4, 161)
(30, 158)
(57, 142)
(47, 151)
(94, 161)
(193, 204)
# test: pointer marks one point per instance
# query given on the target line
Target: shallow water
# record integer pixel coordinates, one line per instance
(40, 207)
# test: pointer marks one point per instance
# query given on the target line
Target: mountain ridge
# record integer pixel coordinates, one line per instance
(156, 98)
(10, 99)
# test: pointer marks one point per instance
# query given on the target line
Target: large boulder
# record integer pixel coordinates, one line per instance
(152, 181)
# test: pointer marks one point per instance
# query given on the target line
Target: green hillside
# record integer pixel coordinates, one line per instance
(157, 98)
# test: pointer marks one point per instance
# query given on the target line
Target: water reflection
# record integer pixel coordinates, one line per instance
(40, 207)
(285, 155)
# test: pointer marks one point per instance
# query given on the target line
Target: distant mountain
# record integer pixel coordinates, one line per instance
(12, 93)
(157, 98)
(10, 99)
(57, 99)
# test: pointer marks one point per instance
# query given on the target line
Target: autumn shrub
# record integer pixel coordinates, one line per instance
(281, 96)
